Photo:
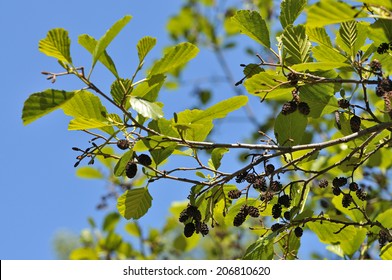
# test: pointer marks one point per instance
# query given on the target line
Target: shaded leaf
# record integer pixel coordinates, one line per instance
(120, 89)
(89, 43)
(320, 99)
(57, 45)
(134, 204)
(290, 10)
(290, 128)
(144, 46)
(174, 57)
(253, 25)
(262, 249)
(108, 37)
(119, 169)
(42, 103)
(381, 31)
(133, 229)
(110, 222)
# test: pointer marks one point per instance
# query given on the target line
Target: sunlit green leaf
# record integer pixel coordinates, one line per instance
(262, 249)
(42, 103)
(174, 57)
(108, 37)
(134, 203)
(146, 108)
(330, 55)
(297, 44)
(290, 10)
(317, 66)
(378, 3)
(133, 229)
(319, 35)
(253, 25)
(144, 46)
(290, 128)
(320, 98)
(386, 252)
(350, 238)
(88, 172)
(149, 89)
(327, 12)
(88, 111)
(84, 254)
(216, 157)
(57, 45)
(381, 31)
(161, 154)
(89, 43)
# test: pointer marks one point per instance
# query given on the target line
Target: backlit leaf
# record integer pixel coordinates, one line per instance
(57, 45)
(120, 89)
(144, 46)
(296, 43)
(42, 103)
(88, 172)
(319, 35)
(108, 37)
(174, 57)
(134, 203)
(290, 10)
(262, 249)
(253, 25)
(327, 12)
(110, 221)
(119, 169)
(216, 157)
(89, 43)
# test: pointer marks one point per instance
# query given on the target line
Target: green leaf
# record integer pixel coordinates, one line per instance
(267, 86)
(42, 103)
(108, 37)
(88, 172)
(133, 229)
(378, 3)
(174, 57)
(112, 241)
(351, 37)
(119, 169)
(110, 222)
(381, 31)
(146, 108)
(150, 88)
(262, 249)
(320, 98)
(216, 156)
(89, 112)
(350, 238)
(57, 44)
(144, 46)
(331, 11)
(89, 43)
(84, 254)
(354, 214)
(385, 218)
(326, 54)
(319, 35)
(319, 66)
(222, 108)
(252, 69)
(297, 44)
(160, 154)
(120, 89)
(134, 203)
(290, 128)
(290, 10)
(253, 25)
(386, 252)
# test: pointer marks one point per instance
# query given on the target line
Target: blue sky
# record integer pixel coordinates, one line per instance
(40, 193)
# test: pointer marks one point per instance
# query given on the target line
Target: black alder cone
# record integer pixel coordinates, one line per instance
(276, 227)
(183, 216)
(323, 183)
(270, 168)
(361, 194)
(234, 194)
(304, 108)
(344, 103)
(355, 123)
(284, 200)
(123, 144)
(336, 191)
(382, 48)
(189, 229)
(253, 211)
(131, 170)
(346, 200)
(298, 231)
(276, 211)
(289, 107)
(144, 159)
(353, 186)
